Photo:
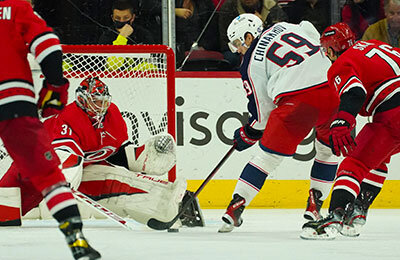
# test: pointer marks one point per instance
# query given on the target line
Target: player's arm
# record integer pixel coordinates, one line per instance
(351, 90)
(259, 106)
(156, 157)
(352, 94)
(46, 48)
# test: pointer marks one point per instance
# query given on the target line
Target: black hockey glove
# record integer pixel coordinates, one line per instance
(246, 136)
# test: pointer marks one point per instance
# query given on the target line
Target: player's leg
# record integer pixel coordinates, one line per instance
(323, 174)
(38, 163)
(325, 163)
(373, 137)
(287, 126)
(369, 190)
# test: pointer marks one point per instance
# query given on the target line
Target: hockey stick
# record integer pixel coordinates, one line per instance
(160, 225)
(99, 208)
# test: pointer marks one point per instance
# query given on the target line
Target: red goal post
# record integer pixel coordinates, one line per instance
(141, 79)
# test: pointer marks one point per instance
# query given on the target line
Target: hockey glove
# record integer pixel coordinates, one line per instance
(340, 137)
(53, 98)
(246, 136)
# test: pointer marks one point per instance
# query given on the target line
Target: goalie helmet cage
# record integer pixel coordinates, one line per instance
(141, 79)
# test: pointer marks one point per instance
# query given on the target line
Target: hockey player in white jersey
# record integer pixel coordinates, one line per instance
(284, 75)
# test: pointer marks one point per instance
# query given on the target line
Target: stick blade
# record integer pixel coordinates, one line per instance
(159, 225)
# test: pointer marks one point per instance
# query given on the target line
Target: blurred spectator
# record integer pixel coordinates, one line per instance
(149, 17)
(123, 16)
(387, 29)
(229, 11)
(191, 19)
(359, 14)
(315, 11)
(276, 15)
(69, 22)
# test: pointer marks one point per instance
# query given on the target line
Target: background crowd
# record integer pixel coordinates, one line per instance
(121, 22)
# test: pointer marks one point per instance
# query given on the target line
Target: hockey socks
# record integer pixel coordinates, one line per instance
(61, 203)
(250, 182)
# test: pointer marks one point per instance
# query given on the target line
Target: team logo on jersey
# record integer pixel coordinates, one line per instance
(99, 155)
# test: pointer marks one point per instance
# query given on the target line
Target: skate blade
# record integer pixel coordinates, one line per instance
(226, 228)
(311, 234)
(351, 231)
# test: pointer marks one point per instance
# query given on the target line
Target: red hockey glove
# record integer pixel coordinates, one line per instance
(246, 136)
(340, 138)
(53, 98)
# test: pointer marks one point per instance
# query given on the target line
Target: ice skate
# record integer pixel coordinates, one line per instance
(314, 205)
(80, 248)
(356, 216)
(232, 217)
(324, 229)
(192, 217)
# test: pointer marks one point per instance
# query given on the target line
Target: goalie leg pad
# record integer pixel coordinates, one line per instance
(10, 206)
(136, 195)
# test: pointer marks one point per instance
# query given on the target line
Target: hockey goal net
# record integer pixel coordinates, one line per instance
(141, 80)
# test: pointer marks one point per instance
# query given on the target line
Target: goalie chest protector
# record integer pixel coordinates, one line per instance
(73, 128)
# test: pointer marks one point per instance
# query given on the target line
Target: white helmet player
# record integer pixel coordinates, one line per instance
(94, 98)
(240, 26)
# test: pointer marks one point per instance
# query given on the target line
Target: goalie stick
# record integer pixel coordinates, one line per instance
(160, 225)
(99, 208)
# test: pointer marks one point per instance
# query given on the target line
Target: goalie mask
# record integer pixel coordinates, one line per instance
(94, 98)
(239, 27)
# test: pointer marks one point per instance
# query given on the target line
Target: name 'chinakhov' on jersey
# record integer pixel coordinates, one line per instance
(285, 60)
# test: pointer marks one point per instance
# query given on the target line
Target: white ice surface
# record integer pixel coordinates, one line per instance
(265, 234)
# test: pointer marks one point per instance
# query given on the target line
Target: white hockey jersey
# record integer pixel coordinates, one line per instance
(284, 60)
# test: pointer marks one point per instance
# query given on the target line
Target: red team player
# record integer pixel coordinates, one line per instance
(23, 135)
(90, 137)
(366, 77)
(284, 75)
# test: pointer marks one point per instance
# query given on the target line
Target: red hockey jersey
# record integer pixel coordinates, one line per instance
(21, 31)
(73, 131)
(371, 65)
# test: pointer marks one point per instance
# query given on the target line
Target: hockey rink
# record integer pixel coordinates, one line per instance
(265, 234)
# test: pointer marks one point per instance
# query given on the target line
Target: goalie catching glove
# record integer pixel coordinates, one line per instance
(246, 136)
(53, 98)
(157, 157)
(340, 137)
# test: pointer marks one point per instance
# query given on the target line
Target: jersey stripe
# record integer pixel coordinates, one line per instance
(382, 93)
(68, 145)
(352, 82)
(44, 45)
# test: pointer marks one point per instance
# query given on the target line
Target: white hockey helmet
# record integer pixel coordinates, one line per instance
(240, 26)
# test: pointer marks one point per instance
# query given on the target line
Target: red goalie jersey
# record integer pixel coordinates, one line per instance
(379, 80)
(73, 131)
